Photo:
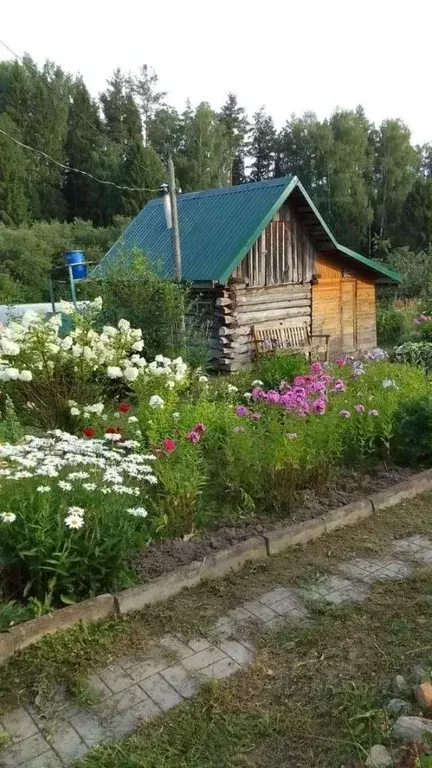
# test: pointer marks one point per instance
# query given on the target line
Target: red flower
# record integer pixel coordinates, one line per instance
(169, 445)
(124, 407)
(113, 431)
(89, 431)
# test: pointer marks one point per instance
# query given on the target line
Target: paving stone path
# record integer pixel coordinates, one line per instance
(134, 689)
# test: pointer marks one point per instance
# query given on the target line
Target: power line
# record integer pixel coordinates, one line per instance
(71, 106)
(61, 96)
(75, 170)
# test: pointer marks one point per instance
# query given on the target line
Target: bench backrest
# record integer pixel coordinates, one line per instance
(280, 337)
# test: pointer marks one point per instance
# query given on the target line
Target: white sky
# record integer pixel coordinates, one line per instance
(290, 55)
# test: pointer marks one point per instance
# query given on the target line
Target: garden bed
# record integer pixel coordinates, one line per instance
(162, 557)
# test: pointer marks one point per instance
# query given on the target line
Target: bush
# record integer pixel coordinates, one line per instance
(162, 308)
(412, 440)
(415, 353)
(391, 324)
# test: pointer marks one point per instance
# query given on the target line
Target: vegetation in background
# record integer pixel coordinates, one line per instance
(368, 181)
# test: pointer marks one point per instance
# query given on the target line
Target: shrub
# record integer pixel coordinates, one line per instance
(71, 514)
(391, 324)
(415, 353)
(412, 439)
(162, 308)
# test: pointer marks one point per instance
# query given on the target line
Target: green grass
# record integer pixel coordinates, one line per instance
(314, 698)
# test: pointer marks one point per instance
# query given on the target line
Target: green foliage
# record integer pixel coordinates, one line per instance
(416, 353)
(391, 324)
(12, 612)
(425, 331)
(274, 368)
(413, 432)
(28, 252)
(11, 430)
(134, 291)
(262, 146)
(415, 270)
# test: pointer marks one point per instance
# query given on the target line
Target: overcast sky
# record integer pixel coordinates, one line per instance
(289, 55)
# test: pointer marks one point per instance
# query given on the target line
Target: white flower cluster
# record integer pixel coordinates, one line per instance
(88, 410)
(61, 456)
(32, 347)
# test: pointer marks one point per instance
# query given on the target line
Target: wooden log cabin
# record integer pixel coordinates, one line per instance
(259, 255)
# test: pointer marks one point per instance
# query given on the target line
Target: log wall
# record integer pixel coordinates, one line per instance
(238, 308)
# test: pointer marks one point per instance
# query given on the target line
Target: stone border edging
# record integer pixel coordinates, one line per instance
(220, 564)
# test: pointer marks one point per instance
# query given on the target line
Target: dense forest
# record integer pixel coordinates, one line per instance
(372, 185)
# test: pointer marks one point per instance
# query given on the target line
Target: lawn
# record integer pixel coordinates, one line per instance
(314, 696)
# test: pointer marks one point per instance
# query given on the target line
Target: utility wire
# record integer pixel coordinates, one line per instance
(64, 98)
(75, 170)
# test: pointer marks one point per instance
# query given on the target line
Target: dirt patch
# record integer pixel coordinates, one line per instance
(165, 556)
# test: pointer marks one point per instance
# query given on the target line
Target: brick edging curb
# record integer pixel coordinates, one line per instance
(221, 563)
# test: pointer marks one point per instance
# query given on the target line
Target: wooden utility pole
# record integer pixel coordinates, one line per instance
(175, 233)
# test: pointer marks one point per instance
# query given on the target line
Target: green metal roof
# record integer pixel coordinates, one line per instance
(217, 229)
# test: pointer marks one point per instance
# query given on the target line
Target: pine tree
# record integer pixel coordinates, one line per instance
(236, 126)
(84, 149)
(262, 146)
(13, 171)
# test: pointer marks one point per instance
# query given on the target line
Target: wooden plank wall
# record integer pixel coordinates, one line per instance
(366, 315)
(238, 308)
(343, 305)
(282, 254)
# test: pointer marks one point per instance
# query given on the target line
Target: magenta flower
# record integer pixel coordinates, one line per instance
(345, 414)
(339, 385)
(316, 368)
(193, 437)
(319, 406)
(273, 397)
(200, 427)
(359, 408)
(237, 428)
(241, 410)
(373, 412)
(341, 361)
(258, 394)
(255, 416)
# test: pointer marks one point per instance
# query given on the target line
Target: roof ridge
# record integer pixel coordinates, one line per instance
(247, 186)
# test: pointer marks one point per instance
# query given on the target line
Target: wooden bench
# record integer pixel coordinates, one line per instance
(287, 338)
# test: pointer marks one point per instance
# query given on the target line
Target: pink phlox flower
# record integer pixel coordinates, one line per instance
(319, 406)
(258, 393)
(318, 386)
(341, 360)
(273, 397)
(241, 410)
(316, 367)
(255, 416)
(339, 385)
(193, 436)
(359, 408)
(200, 427)
(345, 414)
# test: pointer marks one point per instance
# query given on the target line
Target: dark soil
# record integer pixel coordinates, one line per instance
(165, 556)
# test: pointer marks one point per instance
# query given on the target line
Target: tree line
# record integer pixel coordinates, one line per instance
(370, 182)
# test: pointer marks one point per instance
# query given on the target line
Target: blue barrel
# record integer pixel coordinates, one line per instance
(76, 260)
